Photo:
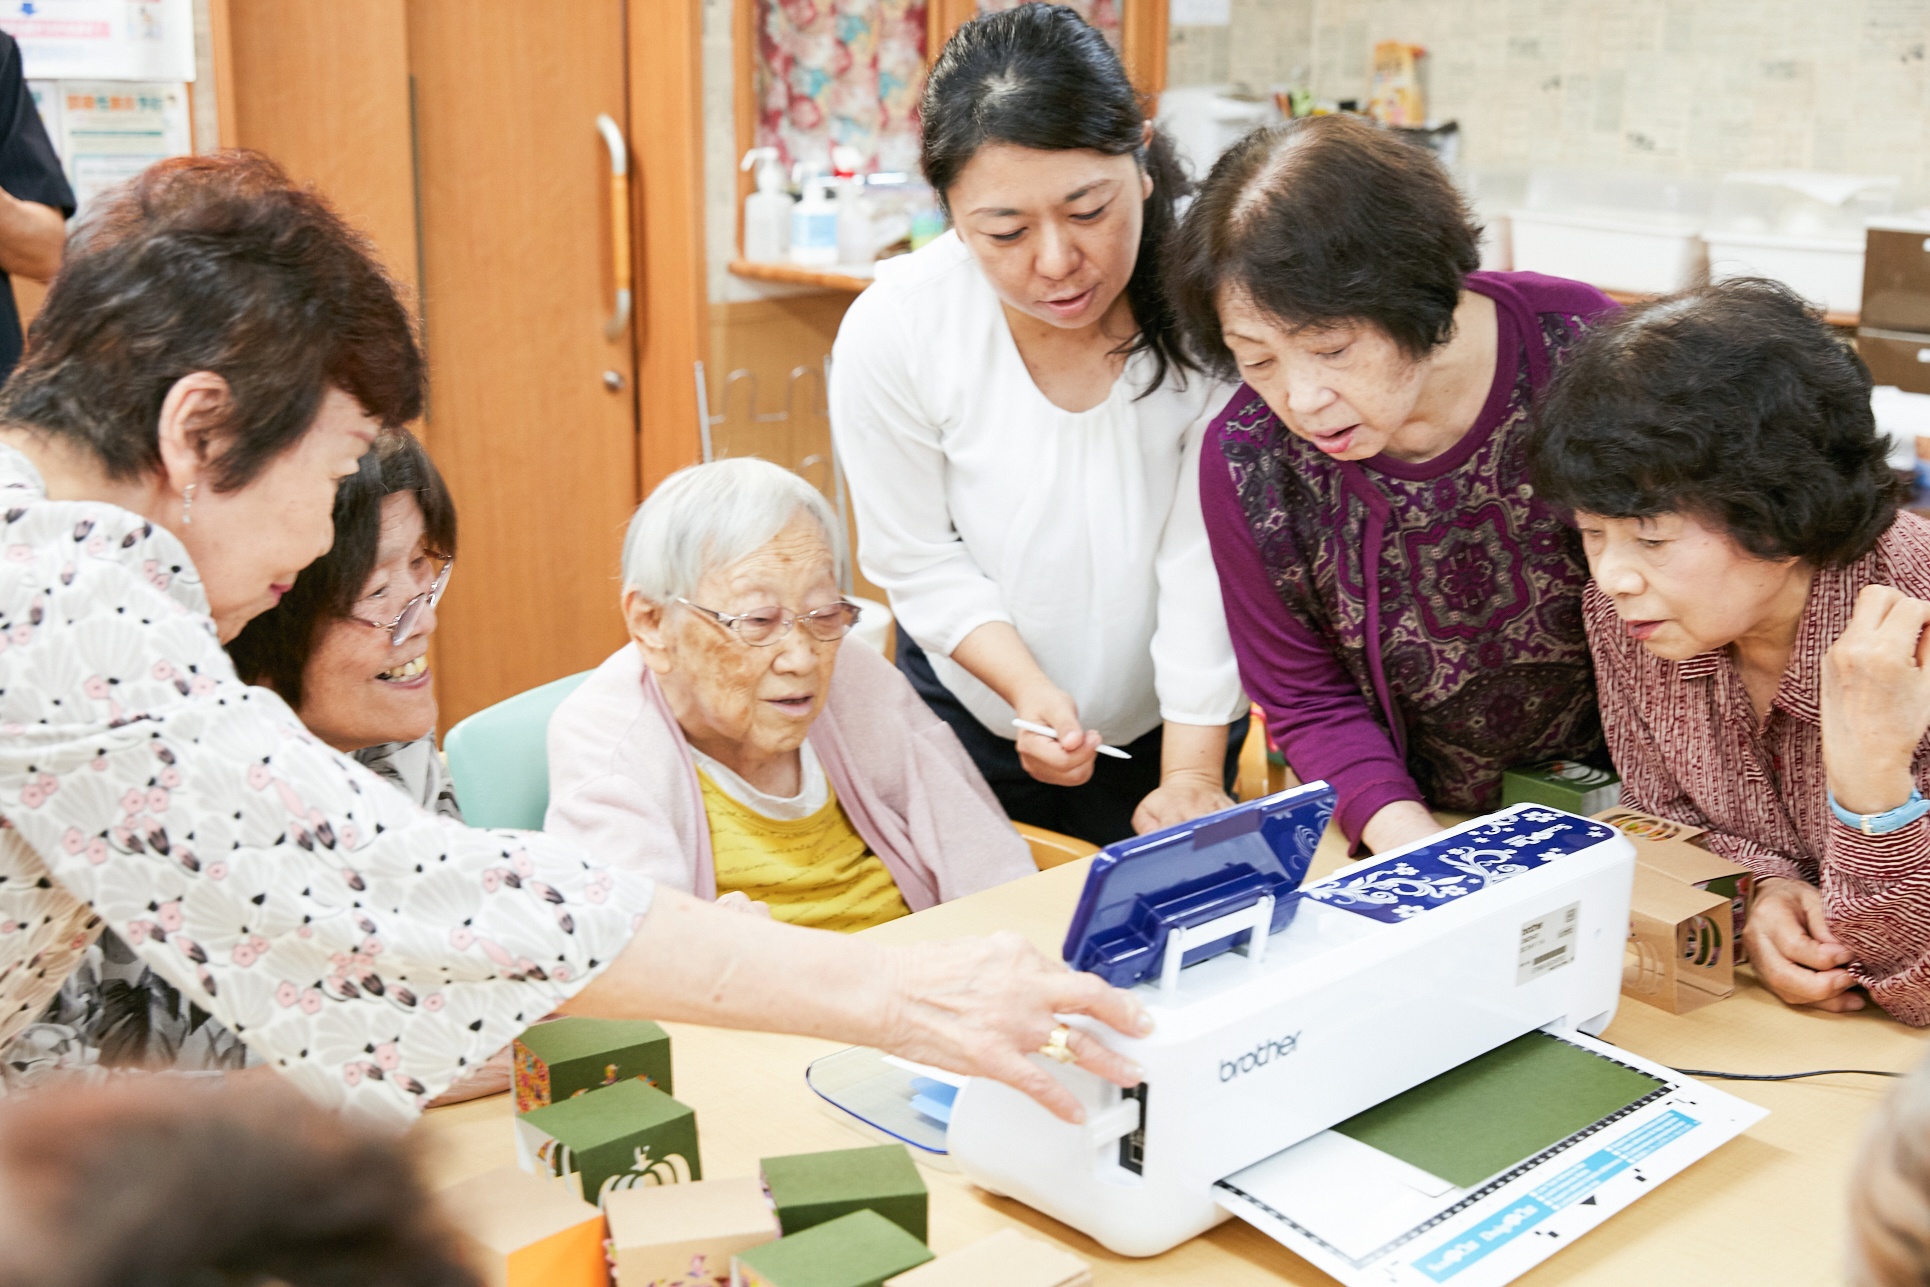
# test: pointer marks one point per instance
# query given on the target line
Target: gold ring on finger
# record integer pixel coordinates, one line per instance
(1058, 1046)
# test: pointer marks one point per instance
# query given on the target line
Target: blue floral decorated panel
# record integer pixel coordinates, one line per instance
(1455, 866)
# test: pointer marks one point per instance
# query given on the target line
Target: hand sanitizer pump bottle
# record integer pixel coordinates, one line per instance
(855, 245)
(814, 222)
(767, 211)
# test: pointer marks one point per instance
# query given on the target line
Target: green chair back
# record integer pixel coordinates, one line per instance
(499, 758)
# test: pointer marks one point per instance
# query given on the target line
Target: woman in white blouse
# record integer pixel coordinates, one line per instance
(1022, 434)
(218, 351)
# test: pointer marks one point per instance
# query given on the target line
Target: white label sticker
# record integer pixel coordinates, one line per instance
(1548, 942)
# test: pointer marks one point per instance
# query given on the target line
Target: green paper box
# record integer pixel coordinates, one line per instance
(568, 1057)
(810, 1188)
(862, 1249)
(684, 1235)
(616, 1137)
(1563, 784)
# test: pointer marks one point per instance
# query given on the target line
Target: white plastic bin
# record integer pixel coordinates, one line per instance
(1804, 228)
(1616, 229)
(1824, 272)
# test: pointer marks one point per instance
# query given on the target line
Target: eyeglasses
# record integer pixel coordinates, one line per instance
(405, 622)
(761, 627)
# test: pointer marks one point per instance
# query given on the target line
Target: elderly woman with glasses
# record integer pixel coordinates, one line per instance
(737, 752)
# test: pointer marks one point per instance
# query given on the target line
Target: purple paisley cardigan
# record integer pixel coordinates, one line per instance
(1463, 653)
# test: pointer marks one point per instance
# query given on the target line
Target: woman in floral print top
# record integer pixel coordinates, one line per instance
(218, 351)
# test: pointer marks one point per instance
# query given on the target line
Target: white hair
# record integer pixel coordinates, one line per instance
(710, 516)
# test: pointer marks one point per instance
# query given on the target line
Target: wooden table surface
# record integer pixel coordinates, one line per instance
(1764, 1208)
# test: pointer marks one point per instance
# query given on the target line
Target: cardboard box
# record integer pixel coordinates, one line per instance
(684, 1235)
(1562, 784)
(862, 1249)
(518, 1231)
(1006, 1259)
(567, 1057)
(1673, 849)
(615, 1137)
(1682, 915)
(811, 1188)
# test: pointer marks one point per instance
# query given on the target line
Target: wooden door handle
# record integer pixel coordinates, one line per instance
(619, 223)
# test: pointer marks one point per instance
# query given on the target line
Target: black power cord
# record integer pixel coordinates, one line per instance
(1820, 1072)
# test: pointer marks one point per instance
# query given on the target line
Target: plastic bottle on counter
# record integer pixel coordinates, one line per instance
(856, 244)
(767, 211)
(814, 223)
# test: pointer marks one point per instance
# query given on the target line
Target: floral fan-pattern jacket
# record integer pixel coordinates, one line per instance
(370, 951)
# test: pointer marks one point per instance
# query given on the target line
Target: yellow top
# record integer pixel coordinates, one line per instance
(815, 871)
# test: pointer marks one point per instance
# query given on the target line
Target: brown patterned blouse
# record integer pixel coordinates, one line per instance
(1687, 742)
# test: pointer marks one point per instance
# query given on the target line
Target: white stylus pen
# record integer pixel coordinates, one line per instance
(1043, 731)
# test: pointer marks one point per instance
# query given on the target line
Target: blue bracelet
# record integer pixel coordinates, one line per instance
(1877, 824)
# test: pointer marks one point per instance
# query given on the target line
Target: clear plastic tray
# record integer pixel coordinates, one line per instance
(875, 1094)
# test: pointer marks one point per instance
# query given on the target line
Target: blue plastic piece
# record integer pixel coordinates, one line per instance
(1140, 889)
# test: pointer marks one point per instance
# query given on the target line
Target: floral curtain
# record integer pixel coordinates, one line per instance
(1103, 14)
(831, 72)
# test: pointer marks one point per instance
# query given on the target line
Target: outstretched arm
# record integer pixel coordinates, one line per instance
(972, 1005)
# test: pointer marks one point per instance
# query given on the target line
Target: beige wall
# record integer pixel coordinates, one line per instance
(1703, 87)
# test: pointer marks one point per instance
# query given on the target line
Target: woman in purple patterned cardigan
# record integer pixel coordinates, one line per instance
(1405, 612)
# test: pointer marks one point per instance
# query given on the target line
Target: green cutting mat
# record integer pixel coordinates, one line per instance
(1499, 1109)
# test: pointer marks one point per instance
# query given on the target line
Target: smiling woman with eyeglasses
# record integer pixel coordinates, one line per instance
(735, 750)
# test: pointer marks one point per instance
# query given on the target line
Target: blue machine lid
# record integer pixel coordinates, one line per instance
(1139, 889)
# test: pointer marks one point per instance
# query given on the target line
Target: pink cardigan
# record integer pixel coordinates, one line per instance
(622, 782)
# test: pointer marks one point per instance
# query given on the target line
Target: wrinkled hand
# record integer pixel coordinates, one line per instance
(1180, 797)
(739, 901)
(1876, 700)
(981, 1005)
(1795, 955)
(1066, 762)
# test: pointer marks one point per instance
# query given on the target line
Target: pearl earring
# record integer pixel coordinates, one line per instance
(187, 505)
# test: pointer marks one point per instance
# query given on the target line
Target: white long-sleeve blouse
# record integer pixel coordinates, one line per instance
(978, 500)
(368, 950)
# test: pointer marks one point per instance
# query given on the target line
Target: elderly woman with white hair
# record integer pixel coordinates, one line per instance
(736, 752)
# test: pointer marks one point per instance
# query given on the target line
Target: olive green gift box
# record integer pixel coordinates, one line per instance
(615, 1137)
(573, 1056)
(810, 1188)
(861, 1249)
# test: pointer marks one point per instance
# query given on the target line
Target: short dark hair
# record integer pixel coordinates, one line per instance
(274, 648)
(164, 1180)
(213, 263)
(1731, 401)
(1322, 221)
(1038, 76)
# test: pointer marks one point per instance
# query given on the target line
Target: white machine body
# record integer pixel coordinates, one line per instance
(1254, 1052)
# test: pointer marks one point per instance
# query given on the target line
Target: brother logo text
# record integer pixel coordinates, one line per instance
(1259, 1057)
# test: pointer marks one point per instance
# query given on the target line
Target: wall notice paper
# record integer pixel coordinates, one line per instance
(110, 131)
(102, 39)
(1478, 1175)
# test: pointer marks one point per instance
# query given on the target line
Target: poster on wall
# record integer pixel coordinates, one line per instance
(135, 40)
(106, 132)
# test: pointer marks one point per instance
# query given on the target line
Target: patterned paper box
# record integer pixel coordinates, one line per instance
(862, 1249)
(616, 1137)
(811, 1188)
(684, 1235)
(1685, 915)
(1562, 784)
(516, 1230)
(567, 1057)
(1006, 1259)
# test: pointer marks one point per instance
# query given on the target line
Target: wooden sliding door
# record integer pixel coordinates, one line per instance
(532, 410)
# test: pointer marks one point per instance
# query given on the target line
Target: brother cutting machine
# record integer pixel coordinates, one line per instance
(1282, 1012)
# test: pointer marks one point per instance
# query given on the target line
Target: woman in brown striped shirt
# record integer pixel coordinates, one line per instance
(1757, 616)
